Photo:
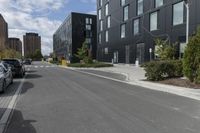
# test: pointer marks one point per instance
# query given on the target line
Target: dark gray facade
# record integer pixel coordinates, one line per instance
(74, 31)
(137, 46)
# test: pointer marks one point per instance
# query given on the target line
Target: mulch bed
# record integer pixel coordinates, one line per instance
(180, 82)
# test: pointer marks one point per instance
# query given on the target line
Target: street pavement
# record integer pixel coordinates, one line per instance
(59, 100)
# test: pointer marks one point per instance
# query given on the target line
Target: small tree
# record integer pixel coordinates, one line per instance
(165, 50)
(191, 59)
(83, 54)
(37, 55)
(9, 53)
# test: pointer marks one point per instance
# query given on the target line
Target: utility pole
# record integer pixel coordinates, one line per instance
(188, 20)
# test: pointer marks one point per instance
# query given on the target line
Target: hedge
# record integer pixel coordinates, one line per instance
(93, 65)
(160, 70)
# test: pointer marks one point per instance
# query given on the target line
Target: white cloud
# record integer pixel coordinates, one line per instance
(29, 16)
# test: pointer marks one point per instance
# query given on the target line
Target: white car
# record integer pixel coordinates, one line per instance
(6, 77)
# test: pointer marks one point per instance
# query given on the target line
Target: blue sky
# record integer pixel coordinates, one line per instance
(73, 6)
(41, 16)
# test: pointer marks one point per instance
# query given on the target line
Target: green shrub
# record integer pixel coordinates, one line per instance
(165, 50)
(93, 65)
(160, 70)
(191, 59)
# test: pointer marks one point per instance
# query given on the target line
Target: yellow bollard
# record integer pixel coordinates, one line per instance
(64, 63)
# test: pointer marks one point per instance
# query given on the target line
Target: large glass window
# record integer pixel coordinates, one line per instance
(139, 7)
(153, 21)
(108, 21)
(99, 38)
(158, 3)
(106, 9)
(178, 13)
(123, 30)
(136, 26)
(100, 2)
(99, 11)
(106, 35)
(125, 13)
(101, 25)
(123, 2)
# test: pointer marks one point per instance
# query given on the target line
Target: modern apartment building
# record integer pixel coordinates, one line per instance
(127, 29)
(15, 44)
(32, 42)
(74, 31)
(3, 32)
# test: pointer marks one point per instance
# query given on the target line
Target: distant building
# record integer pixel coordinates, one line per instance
(32, 42)
(15, 44)
(75, 30)
(3, 32)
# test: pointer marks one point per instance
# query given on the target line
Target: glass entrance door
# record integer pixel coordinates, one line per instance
(116, 57)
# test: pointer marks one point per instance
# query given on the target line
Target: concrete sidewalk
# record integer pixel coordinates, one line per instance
(136, 76)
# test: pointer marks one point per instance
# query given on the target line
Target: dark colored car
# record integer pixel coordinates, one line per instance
(6, 77)
(17, 66)
(27, 61)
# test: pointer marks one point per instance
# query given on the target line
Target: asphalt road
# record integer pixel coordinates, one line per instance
(58, 100)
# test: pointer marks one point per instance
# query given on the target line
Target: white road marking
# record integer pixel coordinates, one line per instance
(6, 116)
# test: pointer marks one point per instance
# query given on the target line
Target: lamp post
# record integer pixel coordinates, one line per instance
(188, 20)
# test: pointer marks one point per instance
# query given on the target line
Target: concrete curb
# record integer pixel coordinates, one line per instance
(180, 91)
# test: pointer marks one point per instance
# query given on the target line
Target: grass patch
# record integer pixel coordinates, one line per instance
(93, 65)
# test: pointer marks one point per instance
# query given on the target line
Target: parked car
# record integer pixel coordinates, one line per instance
(17, 66)
(6, 77)
(27, 62)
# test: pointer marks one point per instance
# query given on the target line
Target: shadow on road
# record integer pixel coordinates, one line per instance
(10, 91)
(31, 71)
(26, 87)
(19, 125)
(33, 76)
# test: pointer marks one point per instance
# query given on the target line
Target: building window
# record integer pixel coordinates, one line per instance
(106, 50)
(123, 2)
(88, 27)
(100, 2)
(99, 38)
(153, 21)
(125, 13)
(90, 20)
(101, 25)
(106, 9)
(139, 7)
(108, 21)
(158, 3)
(123, 30)
(87, 21)
(136, 27)
(99, 11)
(88, 40)
(178, 13)
(106, 35)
